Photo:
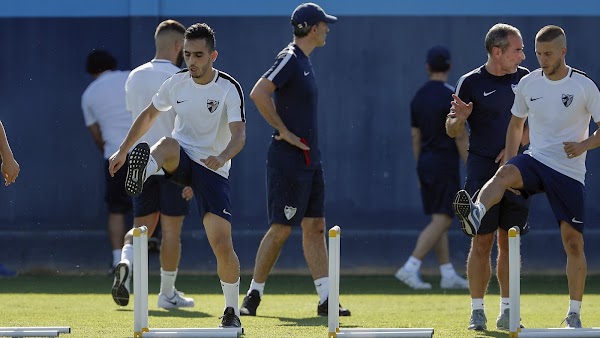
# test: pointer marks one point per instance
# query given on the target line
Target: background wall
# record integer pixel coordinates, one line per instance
(53, 218)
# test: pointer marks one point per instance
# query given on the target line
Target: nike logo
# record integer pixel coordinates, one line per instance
(574, 220)
(306, 73)
(489, 93)
(171, 302)
(537, 98)
(226, 212)
(181, 101)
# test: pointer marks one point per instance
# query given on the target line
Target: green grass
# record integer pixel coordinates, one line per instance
(288, 308)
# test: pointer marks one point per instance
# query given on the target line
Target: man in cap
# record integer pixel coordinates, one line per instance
(437, 157)
(286, 96)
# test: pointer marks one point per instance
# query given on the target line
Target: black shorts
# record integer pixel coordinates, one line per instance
(211, 190)
(117, 200)
(512, 210)
(437, 192)
(160, 195)
(295, 194)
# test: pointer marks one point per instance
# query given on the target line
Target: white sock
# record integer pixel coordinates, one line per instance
(476, 303)
(231, 293)
(574, 306)
(167, 282)
(151, 168)
(447, 270)
(322, 285)
(504, 304)
(116, 256)
(481, 208)
(412, 264)
(127, 253)
(254, 285)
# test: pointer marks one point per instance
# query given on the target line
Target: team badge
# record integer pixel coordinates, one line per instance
(289, 212)
(567, 99)
(212, 105)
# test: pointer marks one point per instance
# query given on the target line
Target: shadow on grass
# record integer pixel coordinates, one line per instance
(277, 285)
(309, 321)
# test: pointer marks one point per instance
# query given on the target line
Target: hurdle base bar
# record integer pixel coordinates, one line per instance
(384, 333)
(333, 320)
(218, 332)
(34, 331)
(557, 333)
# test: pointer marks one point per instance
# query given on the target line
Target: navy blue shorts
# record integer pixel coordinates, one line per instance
(117, 200)
(512, 210)
(295, 194)
(437, 192)
(211, 190)
(160, 195)
(566, 195)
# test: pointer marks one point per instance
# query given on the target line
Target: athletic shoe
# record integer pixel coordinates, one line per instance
(323, 309)
(121, 285)
(454, 282)
(478, 320)
(6, 272)
(229, 319)
(503, 321)
(136, 171)
(175, 302)
(412, 279)
(573, 320)
(250, 304)
(467, 213)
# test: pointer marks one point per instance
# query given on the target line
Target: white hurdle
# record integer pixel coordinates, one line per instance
(334, 300)
(34, 331)
(140, 300)
(514, 263)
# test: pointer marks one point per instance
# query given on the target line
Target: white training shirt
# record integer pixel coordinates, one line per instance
(143, 82)
(103, 102)
(203, 113)
(557, 112)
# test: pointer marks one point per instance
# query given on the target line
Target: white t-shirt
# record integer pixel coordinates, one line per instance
(142, 84)
(103, 102)
(557, 112)
(203, 113)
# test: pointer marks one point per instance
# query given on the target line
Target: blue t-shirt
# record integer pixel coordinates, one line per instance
(492, 98)
(296, 104)
(428, 110)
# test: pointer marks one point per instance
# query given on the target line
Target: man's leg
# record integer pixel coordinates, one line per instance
(478, 275)
(576, 271)
(502, 274)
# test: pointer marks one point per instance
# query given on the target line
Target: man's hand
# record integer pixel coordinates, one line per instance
(116, 161)
(292, 139)
(573, 149)
(10, 171)
(460, 109)
(213, 162)
(187, 193)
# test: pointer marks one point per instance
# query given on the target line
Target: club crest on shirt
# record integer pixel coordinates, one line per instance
(289, 212)
(514, 88)
(212, 105)
(567, 99)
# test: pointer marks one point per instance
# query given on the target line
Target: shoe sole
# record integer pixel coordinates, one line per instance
(245, 312)
(119, 291)
(138, 159)
(462, 209)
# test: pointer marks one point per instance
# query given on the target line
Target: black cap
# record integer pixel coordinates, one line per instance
(438, 57)
(309, 14)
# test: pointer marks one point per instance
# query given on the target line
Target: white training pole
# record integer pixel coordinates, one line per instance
(514, 275)
(140, 278)
(333, 317)
(334, 300)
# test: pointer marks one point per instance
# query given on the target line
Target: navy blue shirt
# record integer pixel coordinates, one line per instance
(296, 103)
(492, 98)
(428, 110)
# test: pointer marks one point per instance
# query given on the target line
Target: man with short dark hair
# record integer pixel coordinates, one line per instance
(107, 119)
(286, 96)
(437, 157)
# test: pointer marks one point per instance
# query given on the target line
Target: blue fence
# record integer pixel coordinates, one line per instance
(54, 217)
